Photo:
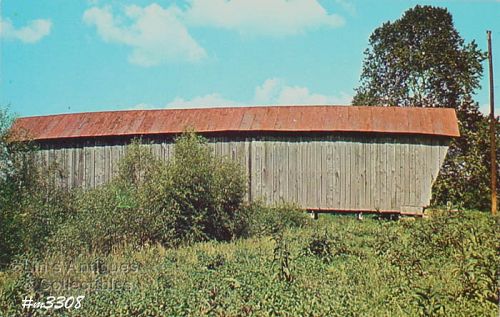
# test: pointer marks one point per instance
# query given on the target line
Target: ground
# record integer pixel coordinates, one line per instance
(334, 266)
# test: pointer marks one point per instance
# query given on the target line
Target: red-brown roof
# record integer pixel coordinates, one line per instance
(426, 121)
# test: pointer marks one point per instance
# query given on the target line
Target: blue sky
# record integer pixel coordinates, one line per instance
(60, 56)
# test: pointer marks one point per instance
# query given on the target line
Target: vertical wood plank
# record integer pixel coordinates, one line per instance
(377, 173)
(300, 171)
(318, 172)
(258, 169)
(267, 170)
(371, 174)
(305, 171)
(337, 172)
(97, 149)
(413, 167)
(248, 167)
(329, 173)
(312, 181)
(429, 179)
(420, 169)
(286, 172)
(279, 167)
(342, 170)
(70, 152)
(359, 194)
(293, 171)
(349, 175)
(391, 184)
(398, 167)
(364, 174)
(353, 173)
(407, 164)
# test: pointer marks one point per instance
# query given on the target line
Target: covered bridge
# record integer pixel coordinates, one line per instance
(325, 158)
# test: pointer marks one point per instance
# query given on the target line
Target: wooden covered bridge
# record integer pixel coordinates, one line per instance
(324, 158)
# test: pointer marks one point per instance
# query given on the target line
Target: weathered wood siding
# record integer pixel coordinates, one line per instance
(336, 172)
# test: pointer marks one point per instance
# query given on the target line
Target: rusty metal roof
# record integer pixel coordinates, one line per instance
(423, 121)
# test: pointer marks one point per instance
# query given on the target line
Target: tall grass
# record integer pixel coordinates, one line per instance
(446, 266)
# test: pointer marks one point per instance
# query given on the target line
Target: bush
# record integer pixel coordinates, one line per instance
(267, 220)
(194, 197)
(468, 240)
(320, 246)
(32, 205)
(204, 194)
(124, 211)
(325, 246)
(211, 261)
(9, 220)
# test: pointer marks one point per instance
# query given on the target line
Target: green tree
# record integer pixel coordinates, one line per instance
(464, 179)
(421, 60)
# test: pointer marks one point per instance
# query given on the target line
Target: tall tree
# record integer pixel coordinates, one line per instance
(421, 60)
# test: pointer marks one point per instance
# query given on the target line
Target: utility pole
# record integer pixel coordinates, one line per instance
(493, 142)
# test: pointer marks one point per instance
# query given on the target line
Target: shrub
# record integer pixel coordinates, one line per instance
(325, 246)
(320, 246)
(32, 205)
(466, 240)
(195, 196)
(267, 220)
(8, 219)
(125, 211)
(211, 261)
(43, 207)
(204, 194)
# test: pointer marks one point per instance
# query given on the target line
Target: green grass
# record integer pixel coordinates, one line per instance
(446, 266)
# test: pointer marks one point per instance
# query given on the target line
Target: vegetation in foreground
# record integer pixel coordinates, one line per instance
(334, 266)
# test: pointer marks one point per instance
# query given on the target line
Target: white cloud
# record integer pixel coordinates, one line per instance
(273, 91)
(348, 6)
(156, 35)
(33, 32)
(269, 90)
(262, 17)
(210, 100)
(142, 106)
